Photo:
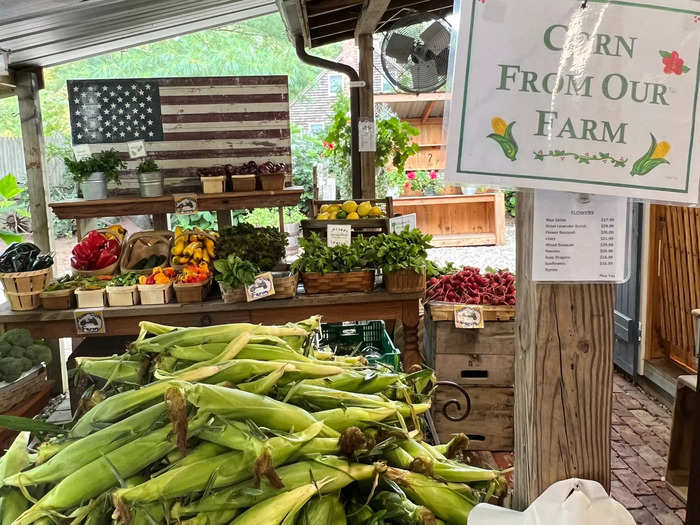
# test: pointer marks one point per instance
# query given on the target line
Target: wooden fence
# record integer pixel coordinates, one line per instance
(674, 283)
(12, 160)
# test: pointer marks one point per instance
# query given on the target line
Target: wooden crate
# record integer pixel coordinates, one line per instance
(364, 227)
(482, 362)
(490, 423)
(679, 453)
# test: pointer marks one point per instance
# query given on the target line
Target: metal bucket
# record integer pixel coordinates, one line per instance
(94, 187)
(151, 184)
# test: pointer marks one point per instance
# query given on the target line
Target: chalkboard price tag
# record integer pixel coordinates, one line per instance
(262, 287)
(469, 316)
(89, 321)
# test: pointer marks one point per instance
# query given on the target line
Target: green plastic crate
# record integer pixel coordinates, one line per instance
(369, 332)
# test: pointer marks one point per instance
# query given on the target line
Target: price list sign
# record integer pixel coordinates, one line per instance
(579, 237)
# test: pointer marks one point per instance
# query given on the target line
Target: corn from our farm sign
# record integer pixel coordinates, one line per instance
(601, 99)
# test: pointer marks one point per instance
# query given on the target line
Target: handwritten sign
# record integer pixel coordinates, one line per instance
(400, 223)
(469, 316)
(262, 287)
(595, 100)
(89, 322)
(185, 203)
(82, 151)
(339, 234)
(137, 149)
(367, 135)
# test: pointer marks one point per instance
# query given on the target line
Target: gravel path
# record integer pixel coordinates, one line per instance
(499, 257)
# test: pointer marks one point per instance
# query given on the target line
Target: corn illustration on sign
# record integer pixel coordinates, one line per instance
(601, 99)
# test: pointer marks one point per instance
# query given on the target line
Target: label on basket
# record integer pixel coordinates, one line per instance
(82, 151)
(262, 287)
(185, 203)
(338, 234)
(89, 322)
(469, 316)
(399, 224)
(137, 149)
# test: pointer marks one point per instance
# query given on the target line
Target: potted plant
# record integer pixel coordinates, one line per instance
(326, 269)
(233, 274)
(93, 173)
(150, 179)
(415, 183)
(404, 259)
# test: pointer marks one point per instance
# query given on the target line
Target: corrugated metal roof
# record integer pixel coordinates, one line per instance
(51, 32)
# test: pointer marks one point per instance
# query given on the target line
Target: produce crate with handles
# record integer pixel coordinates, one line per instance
(366, 227)
(366, 334)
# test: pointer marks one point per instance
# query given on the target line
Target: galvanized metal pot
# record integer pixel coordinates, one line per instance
(94, 187)
(151, 184)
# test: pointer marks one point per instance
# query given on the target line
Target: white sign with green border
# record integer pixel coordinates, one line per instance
(601, 99)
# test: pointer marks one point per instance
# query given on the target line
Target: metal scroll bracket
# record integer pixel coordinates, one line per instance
(455, 409)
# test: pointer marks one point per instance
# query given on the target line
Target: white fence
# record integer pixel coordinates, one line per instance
(12, 161)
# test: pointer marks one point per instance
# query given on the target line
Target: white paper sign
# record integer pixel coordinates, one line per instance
(82, 151)
(398, 224)
(367, 136)
(89, 322)
(262, 287)
(578, 237)
(469, 316)
(339, 234)
(137, 149)
(598, 100)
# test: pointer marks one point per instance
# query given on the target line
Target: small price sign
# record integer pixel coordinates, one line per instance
(469, 316)
(185, 203)
(82, 151)
(89, 322)
(338, 234)
(262, 287)
(137, 149)
(400, 223)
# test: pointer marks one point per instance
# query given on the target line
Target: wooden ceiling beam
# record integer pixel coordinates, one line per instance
(334, 29)
(322, 7)
(426, 113)
(336, 17)
(322, 41)
(372, 12)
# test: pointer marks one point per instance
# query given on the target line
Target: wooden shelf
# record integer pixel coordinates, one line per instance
(123, 206)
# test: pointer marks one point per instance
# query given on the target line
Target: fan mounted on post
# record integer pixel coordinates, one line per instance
(416, 52)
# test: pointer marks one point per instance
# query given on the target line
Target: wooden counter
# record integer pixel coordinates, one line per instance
(458, 220)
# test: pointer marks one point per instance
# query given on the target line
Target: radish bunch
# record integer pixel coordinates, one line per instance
(469, 286)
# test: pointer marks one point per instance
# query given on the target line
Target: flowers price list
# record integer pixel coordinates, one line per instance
(579, 237)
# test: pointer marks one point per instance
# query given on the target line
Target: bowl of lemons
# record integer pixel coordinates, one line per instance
(349, 210)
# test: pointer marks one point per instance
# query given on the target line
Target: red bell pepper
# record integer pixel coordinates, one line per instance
(112, 246)
(81, 251)
(78, 264)
(104, 259)
(94, 240)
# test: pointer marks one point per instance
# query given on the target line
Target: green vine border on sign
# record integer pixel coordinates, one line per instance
(582, 159)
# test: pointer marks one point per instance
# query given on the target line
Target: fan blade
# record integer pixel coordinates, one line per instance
(436, 37)
(424, 75)
(443, 62)
(399, 47)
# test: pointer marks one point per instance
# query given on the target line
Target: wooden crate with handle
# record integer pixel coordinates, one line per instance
(366, 227)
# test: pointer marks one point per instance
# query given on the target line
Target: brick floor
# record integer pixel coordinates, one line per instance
(640, 433)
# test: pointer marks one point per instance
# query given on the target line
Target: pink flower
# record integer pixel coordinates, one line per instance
(433, 175)
(411, 175)
(673, 64)
(407, 186)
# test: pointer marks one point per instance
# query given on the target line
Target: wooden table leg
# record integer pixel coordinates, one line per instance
(281, 214)
(410, 319)
(160, 221)
(223, 218)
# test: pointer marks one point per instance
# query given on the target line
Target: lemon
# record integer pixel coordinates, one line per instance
(333, 207)
(375, 211)
(353, 216)
(333, 215)
(363, 209)
(350, 206)
(322, 216)
(342, 215)
(324, 208)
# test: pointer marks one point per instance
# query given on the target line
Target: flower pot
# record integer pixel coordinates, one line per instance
(151, 184)
(451, 189)
(94, 187)
(404, 281)
(411, 193)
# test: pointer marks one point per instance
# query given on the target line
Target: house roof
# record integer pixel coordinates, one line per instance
(52, 32)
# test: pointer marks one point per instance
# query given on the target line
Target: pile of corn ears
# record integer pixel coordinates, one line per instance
(246, 425)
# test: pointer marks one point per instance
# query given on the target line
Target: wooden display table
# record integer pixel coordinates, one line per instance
(458, 220)
(333, 307)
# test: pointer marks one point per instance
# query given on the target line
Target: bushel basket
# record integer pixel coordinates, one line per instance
(192, 292)
(285, 284)
(336, 282)
(23, 289)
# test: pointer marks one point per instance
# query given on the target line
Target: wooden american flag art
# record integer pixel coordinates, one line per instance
(186, 123)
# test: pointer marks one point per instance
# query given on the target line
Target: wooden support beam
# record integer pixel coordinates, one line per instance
(28, 85)
(372, 12)
(426, 113)
(563, 370)
(324, 7)
(366, 73)
(386, 98)
(332, 39)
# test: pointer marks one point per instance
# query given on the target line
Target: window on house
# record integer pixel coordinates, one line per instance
(335, 83)
(315, 128)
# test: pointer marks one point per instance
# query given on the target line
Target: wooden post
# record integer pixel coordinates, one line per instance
(693, 510)
(563, 369)
(366, 72)
(28, 83)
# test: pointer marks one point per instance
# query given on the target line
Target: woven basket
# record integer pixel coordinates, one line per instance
(285, 283)
(107, 270)
(58, 299)
(272, 181)
(161, 246)
(404, 281)
(335, 282)
(23, 289)
(192, 292)
(30, 383)
(237, 295)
